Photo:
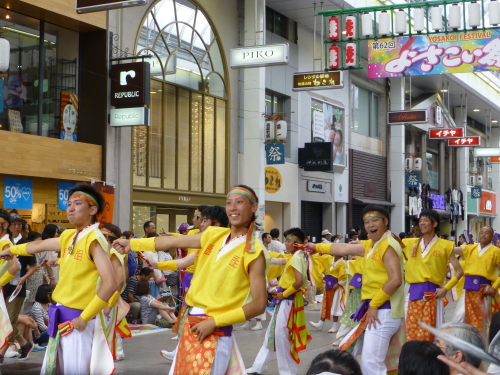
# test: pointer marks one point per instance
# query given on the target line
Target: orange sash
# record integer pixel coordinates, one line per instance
(326, 308)
(475, 313)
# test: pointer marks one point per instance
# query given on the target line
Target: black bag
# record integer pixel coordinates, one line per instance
(172, 279)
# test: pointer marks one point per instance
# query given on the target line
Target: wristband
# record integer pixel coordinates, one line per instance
(496, 284)
(323, 248)
(453, 281)
(93, 308)
(231, 317)
(113, 299)
(20, 250)
(380, 298)
(169, 265)
(287, 293)
(6, 277)
(143, 244)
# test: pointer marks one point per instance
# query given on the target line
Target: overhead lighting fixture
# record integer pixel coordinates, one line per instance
(444, 90)
(494, 121)
(476, 110)
(7, 17)
(480, 152)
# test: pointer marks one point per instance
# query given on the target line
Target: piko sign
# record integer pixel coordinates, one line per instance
(465, 142)
(407, 117)
(130, 84)
(317, 81)
(446, 133)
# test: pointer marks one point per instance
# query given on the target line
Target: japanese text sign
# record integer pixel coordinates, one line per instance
(317, 81)
(275, 153)
(476, 193)
(18, 193)
(435, 54)
(412, 179)
(446, 133)
(438, 202)
(465, 142)
(63, 189)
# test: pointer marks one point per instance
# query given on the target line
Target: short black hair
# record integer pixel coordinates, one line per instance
(402, 235)
(42, 293)
(453, 232)
(432, 215)
(128, 234)
(420, 358)
(146, 224)
(93, 192)
(50, 231)
(217, 213)
(264, 235)
(297, 232)
(145, 271)
(352, 234)
(379, 208)
(117, 232)
(275, 233)
(142, 288)
(363, 236)
(32, 236)
(336, 361)
(202, 208)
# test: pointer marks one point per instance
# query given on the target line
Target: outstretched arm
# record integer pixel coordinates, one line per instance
(338, 249)
(50, 244)
(157, 243)
(174, 265)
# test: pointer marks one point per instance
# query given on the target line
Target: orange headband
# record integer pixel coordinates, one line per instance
(85, 197)
(375, 214)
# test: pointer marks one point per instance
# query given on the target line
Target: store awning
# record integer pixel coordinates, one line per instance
(360, 200)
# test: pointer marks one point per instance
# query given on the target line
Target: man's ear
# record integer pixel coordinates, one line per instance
(458, 356)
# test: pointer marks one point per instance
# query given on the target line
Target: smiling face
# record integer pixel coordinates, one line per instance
(240, 210)
(79, 212)
(375, 227)
(427, 226)
(289, 246)
(485, 237)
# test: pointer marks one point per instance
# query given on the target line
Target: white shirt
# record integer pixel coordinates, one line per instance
(18, 238)
(324, 240)
(276, 246)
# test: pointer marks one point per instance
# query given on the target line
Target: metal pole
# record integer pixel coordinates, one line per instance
(314, 39)
(322, 38)
(41, 62)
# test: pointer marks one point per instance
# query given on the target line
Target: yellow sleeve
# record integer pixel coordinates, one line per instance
(175, 234)
(6, 277)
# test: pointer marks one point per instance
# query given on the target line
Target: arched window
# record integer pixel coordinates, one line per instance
(185, 146)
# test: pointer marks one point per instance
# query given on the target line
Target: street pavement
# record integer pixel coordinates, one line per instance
(142, 351)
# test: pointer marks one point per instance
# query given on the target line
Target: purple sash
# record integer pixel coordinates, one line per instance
(186, 282)
(330, 281)
(226, 331)
(59, 314)
(474, 282)
(361, 311)
(417, 290)
(357, 280)
(281, 290)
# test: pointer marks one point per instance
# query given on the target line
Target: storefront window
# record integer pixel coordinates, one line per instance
(141, 214)
(187, 141)
(364, 111)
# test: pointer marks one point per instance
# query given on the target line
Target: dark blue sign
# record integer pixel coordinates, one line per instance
(63, 189)
(412, 179)
(275, 153)
(18, 193)
(476, 193)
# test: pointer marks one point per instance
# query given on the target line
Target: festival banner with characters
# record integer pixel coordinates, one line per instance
(434, 54)
(69, 116)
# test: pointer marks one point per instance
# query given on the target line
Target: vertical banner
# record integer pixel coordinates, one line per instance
(108, 192)
(69, 116)
(63, 189)
(18, 193)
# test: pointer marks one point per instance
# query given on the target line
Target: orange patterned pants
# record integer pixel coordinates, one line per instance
(474, 308)
(420, 311)
(326, 308)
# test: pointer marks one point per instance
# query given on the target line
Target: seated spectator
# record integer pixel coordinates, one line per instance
(334, 361)
(130, 296)
(420, 358)
(464, 332)
(39, 312)
(150, 307)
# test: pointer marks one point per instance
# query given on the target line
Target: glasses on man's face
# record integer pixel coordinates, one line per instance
(440, 346)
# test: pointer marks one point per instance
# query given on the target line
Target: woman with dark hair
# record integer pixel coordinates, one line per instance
(420, 358)
(235, 263)
(39, 312)
(336, 362)
(51, 272)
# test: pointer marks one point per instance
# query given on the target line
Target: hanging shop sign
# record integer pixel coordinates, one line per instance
(465, 142)
(412, 179)
(130, 84)
(476, 193)
(275, 153)
(434, 54)
(438, 202)
(273, 180)
(495, 159)
(88, 6)
(316, 186)
(446, 133)
(488, 203)
(18, 193)
(318, 156)
(136, 116)
(407, 117)
(63, 189)
(308, 81)
(268, 55)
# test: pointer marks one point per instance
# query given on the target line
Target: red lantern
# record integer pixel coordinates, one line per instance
(350, 27)
(350, 54)
(333, 28)
(334, 58)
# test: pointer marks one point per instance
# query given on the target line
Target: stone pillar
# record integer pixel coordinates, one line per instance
(442, 168)
(397, 157)
(462, 167)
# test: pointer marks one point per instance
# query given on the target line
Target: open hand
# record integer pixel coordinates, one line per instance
(372, 318)
(204, 329)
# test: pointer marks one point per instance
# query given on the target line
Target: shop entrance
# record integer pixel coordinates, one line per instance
(168, 219)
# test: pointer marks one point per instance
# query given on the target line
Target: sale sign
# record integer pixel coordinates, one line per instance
(446, 133)
(434, 54)
(465, 142)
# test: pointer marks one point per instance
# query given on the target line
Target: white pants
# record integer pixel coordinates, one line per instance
(459, 315)
(74, 352)
(286, 364)
(376, 344)
(343, 332)
(412, 206)
(221, 359)
(337, 299)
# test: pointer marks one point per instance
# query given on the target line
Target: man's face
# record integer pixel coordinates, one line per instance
(16, 228)
(267, 240)
(289, 245)
(151, 228)
(426, 225)
(485, 236)
(375, 227)
(205, 223)
(328, 236)
(79, 212)
(457, 356)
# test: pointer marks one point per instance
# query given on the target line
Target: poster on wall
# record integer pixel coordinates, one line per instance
(328, 126)
(434, 54)
(18, 193)
(15, 124)
(108, 192)
(15, 91)
(69, 116)
(63, 189)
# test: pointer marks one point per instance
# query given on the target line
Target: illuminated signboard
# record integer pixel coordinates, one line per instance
(407, 117)
(317, 81)
(465, 142)
(446, 133)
